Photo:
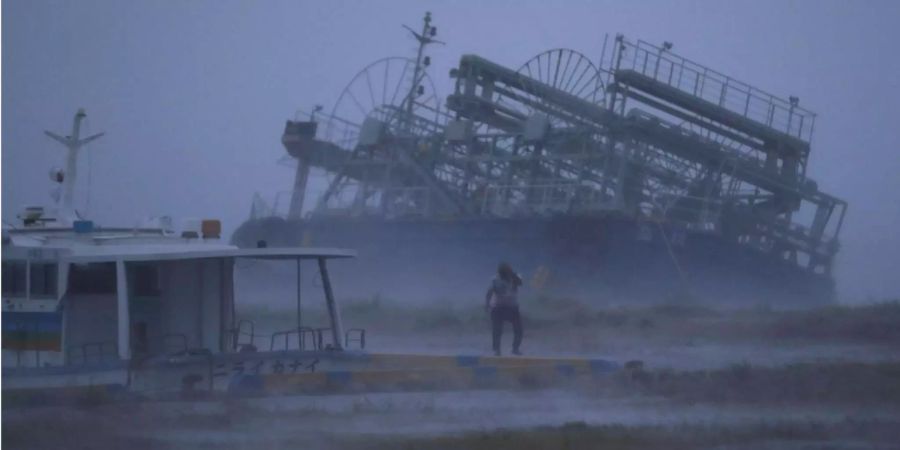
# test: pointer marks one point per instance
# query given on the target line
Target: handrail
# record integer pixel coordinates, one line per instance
(287, 334)
(734, 95)
(234, 334)
(90, 345)
(361, 337)
(316, 338)
(301, 333)
(317, 335)
(238, 333)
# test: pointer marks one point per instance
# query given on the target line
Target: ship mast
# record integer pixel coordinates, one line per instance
(73, 144)
(425, 37)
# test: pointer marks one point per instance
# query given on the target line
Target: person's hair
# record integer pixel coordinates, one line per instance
(506, 273)
(503, 269)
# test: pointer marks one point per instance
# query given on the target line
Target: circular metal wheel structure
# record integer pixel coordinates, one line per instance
(567, 70)
(382, 91)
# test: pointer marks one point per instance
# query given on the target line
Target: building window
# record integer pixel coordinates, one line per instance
(43, 279)
(146, 280)
(94, 278)
(14, 278)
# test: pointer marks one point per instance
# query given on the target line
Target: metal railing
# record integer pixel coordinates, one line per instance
(551, 198)
(316, 338)
(92, 350)
(244, 328)
(360, 337)
(702, 82)
(338, 131)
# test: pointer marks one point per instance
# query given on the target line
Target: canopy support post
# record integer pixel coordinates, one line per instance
(336, 328)
(124, 322)
(299, 311)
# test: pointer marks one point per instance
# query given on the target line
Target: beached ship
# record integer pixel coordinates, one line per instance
(640, 177)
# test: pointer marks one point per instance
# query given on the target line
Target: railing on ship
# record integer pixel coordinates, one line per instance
(405, 202)
(243, 338)
(734, 95)
(551, 198)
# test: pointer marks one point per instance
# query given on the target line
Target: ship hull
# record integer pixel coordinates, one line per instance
(606, 260)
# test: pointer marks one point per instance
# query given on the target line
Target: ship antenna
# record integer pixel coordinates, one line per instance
(73, 144)
(425, 37)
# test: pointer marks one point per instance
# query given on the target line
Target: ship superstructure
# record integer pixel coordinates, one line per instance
(82, 303)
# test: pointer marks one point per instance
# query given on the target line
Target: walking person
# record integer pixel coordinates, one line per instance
(502, 302)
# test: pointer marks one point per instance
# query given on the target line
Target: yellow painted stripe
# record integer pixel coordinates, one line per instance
(391, 361)
(526, 375)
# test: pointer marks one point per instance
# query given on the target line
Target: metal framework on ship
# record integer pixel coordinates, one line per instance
(645, 134)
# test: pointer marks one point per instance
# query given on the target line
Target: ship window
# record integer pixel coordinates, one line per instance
(95, 278)
(14, 278)
(146, 281)
(43, 280)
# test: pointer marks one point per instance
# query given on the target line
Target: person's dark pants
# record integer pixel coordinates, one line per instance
(500, 314)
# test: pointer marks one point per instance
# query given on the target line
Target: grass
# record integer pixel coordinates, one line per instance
(844, 383)
(578, 435)
(137, 428)
(845, 388)
(872, 323)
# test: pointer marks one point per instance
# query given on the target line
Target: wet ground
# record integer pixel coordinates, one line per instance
(365, 420)
(730, 380)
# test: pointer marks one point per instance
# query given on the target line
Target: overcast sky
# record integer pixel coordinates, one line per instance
(193, 95)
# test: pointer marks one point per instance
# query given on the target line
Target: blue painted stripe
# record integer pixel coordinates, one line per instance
(32, 321)
(566, 370)
(602, 366)
(467, 361)
(245, 384)
(363, 358)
